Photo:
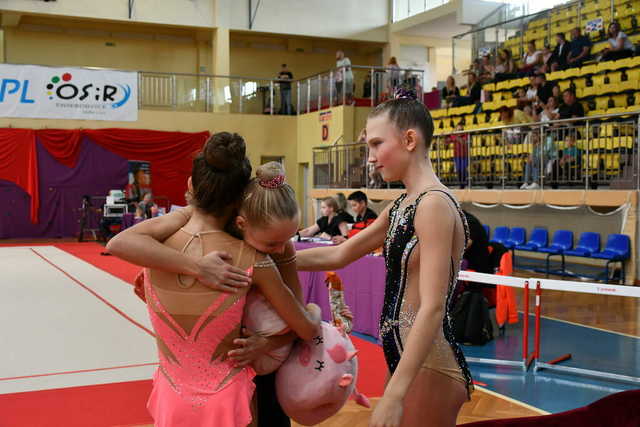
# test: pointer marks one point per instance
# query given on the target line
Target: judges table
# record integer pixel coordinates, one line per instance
(363, 283)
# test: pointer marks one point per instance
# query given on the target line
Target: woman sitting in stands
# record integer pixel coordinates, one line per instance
(619, 44)
(333, 221)
(531, 59)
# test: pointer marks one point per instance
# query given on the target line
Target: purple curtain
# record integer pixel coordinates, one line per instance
(61, 189)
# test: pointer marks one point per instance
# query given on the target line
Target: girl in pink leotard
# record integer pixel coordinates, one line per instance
(196, 384)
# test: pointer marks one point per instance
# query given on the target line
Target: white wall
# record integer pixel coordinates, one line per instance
(194, 13)
(343, 19)
(472, 11)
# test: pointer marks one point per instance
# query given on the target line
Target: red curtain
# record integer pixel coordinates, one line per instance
(170, 155)
(63, 145)
(19, 163)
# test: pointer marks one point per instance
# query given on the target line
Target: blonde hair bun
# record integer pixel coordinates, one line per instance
(269, 172)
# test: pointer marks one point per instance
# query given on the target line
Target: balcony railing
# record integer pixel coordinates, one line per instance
(580, 153)
(362, 86)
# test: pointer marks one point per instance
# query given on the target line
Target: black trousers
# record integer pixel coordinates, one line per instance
(270, 414)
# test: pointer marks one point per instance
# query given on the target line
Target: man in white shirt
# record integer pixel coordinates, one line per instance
(344, 78)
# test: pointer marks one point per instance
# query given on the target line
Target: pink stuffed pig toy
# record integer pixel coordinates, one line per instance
(319, 376)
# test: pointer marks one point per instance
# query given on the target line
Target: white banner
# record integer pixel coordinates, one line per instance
(30, 91)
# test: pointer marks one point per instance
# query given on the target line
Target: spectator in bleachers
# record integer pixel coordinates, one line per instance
(531, 59)
(619, 44)
(528, 113)
(545, 88)
(549, 111)
(512, 116)
(570, 161)
(570, 107)
(560, 53)
(473, 92)
(146, 206)
(450, 91)
(547, 58)
(505, 68)
(532, 166)
(528, 96)
(579, 49)
(459, 143)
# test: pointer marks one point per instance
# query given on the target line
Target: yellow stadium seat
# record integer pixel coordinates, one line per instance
(588, 69)
(572, 72)
(489, 87)
(588, 91)
(564, 84)
(614, 77)
(619, 100)
(580, 82)
(626, 24)
(598, 80)
(635, 61)
(599, 47)
(633, 74)
(602, 103)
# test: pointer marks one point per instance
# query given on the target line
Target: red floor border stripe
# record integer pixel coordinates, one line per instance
(94, 293)
(138, 365)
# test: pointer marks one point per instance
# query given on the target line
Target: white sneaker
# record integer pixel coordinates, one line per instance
(533, 186)
(524, 186)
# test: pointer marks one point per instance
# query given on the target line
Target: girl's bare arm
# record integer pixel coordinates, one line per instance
(142, 245)
(303, 322)
(335, 257)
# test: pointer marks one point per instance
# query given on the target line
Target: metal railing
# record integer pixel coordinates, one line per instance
(206, 93)
(342, 86)
(580, 153)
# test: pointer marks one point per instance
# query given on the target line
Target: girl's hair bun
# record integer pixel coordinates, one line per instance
(271, 175)
(225, 151)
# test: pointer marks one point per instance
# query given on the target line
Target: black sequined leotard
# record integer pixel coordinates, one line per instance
(398, 315)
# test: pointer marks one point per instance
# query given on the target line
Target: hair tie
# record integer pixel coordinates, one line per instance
(402, 93)
(272, 183)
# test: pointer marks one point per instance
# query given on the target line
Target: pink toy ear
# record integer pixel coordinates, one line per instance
(352, 354)
(338, 353)
(305, 354)
(346, 380)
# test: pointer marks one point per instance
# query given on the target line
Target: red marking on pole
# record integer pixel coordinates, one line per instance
(525, 334)
(538, 317)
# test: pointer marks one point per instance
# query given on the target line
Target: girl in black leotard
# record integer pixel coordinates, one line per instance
(424, 235)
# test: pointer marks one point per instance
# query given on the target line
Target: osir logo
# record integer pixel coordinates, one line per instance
(64, 89)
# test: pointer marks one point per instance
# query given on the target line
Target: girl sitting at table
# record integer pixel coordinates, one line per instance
(333, 222)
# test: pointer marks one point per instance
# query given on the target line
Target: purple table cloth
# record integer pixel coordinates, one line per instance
(363, 283)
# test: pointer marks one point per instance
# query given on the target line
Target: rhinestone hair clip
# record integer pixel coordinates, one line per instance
(402, 93)
(272, 183)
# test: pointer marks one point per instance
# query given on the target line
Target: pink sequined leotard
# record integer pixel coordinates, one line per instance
(195, 384)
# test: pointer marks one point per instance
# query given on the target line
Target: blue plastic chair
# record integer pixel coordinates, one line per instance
(562, 241)
(517, 236)
(617, 249)
(500, 234)
(487, 229)
(589, 244)
(539, 239)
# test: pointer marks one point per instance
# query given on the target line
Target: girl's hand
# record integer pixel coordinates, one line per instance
(387, 413)
(346, 312)
(249, 348)
(216, 273)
